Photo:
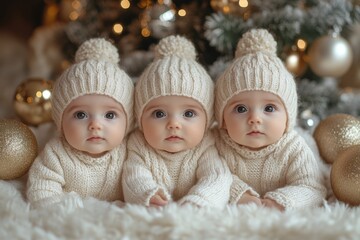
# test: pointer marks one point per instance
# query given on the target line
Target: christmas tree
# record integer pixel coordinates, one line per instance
(317, 40)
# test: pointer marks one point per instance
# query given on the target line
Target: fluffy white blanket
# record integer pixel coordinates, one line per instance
(103, 220)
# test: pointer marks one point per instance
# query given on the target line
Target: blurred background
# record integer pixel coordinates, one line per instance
(318, 40)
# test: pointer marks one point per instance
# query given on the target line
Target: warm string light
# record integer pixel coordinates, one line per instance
(301, 44)
(118, 28)
(72, 9)
(77, 8)
(182, 12)
(125, 4)
(243, 3)
(236, 7)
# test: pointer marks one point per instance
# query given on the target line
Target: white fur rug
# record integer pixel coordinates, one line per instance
(103, 220)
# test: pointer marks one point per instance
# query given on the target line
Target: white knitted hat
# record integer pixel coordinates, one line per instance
(95, 71)
(175, 71)
(257, 67)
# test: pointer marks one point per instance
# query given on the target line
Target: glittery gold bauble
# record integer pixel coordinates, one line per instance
(18, 149)
(345, 176)
(336, 133)
(330, 56)
(32, 101)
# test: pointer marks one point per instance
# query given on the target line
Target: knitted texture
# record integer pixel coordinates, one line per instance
(197, 176)
(95, 71)
(174, 71)
(61, 169)
(286, 171)
(257, 67)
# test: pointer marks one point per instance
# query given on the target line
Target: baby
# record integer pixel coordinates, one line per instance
(92, 104)
(256, 108)
(172, 154)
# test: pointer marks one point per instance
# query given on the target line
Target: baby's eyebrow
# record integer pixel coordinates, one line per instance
(70, 109)
(191, 106)
(236, 101)
(274, 101)
(152, 108)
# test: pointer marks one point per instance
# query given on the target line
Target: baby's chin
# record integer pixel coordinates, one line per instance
(95, 154)
(255, 147)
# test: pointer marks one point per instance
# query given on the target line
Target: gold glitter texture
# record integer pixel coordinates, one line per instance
(335, 134)
(18, 149)
(345, 176)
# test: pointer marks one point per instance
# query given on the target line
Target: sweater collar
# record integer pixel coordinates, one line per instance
(179, 156)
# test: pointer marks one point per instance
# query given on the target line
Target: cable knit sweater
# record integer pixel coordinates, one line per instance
(60, 169)
(286, 171)
(197, 175)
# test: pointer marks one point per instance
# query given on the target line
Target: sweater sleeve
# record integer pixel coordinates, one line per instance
(213, 181)
(238, 188)
(303, 186)
(46, 178)
(137, 180)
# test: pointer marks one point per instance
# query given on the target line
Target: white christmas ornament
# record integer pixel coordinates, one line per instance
(330, 56)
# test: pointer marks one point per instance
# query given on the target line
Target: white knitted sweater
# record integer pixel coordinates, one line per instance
(62, 169)
(285, 171)
(197, 175)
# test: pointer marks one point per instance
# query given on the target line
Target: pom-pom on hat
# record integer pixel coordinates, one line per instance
(95, 71)
(256, 67)
(175, 71)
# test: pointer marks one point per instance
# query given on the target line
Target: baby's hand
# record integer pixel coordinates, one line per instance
(247, 198)
(158, 201)
(272, 204)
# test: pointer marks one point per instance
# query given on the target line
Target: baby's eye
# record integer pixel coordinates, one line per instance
(240, 109)
(159, 114)
(110, 115)
(189, 114)
(80, 115)
(270, 108)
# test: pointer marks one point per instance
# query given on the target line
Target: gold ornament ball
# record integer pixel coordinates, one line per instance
(295, 62)
(18, 149)
(330, 56)
(345, 176)
(336, 133)
(32, 101)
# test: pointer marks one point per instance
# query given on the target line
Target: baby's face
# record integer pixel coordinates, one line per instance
(173, 123)
(94, 124)
(255, 119)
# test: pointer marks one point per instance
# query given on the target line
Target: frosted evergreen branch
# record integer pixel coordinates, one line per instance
(327, 16)
(285, 24)
(223, 31)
